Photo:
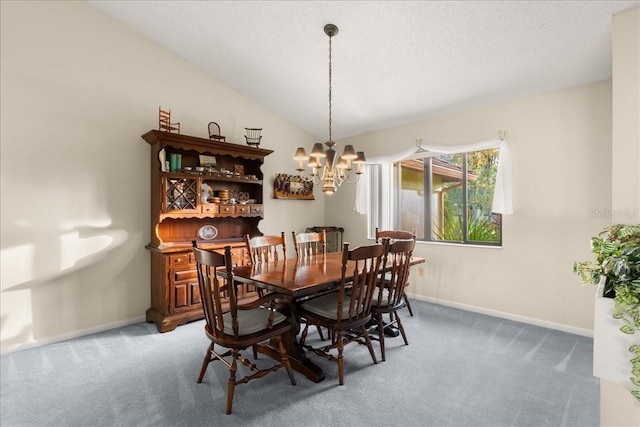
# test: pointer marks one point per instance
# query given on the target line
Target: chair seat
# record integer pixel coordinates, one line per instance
(325, 306)
(387, 279)
(251, 321)
(385, 299)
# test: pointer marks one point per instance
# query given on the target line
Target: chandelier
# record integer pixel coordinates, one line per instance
(331, 173)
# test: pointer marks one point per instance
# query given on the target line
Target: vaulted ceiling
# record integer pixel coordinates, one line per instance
(394, 62)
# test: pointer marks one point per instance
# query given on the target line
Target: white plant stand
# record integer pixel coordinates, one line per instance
(611, 355)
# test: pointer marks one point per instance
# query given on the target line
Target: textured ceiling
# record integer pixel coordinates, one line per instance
(393, 61)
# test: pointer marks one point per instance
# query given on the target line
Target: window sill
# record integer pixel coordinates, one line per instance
(464, 245)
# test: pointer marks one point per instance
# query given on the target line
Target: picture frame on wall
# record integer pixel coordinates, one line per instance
(295, 187)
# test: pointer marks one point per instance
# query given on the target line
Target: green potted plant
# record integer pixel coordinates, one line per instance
(617, 250)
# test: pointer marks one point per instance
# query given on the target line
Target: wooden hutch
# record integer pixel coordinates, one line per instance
(182, 211)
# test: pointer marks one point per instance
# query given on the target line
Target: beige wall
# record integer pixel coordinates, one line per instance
(78, 89)
(617, 406)
(626, 116)
(561, 145)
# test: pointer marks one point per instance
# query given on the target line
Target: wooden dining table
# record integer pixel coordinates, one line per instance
(297, 279)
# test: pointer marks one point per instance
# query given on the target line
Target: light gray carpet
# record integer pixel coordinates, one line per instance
(459, 369)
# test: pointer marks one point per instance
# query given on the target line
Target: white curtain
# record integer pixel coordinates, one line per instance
(379, 193)
(381, 172)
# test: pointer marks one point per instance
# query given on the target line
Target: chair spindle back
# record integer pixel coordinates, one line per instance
(214, 286)
(395, 274)
(266, 248)
(364, 263)
(309, 244)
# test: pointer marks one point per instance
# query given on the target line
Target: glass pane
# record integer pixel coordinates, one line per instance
(411, 197)
(447, 198)
(482, 224)
(181, 194)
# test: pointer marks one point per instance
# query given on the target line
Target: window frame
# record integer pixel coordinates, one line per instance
(427, 208)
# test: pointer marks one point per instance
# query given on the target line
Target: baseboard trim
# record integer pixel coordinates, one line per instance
(71, 335)
(510, 316)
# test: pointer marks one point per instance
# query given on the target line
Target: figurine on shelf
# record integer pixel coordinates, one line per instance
(243, 197)
(214, 133)
(207, 192)
(164, 121)
(253, 137)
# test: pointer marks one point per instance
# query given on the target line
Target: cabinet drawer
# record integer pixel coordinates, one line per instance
(210, 208)
(243, 209)
(256, 209)
(227, 209)
(182, 275)
(179, 259)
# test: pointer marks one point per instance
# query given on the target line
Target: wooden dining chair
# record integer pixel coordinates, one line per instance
(238, 327)
(390, 296)
(346, 311)
(309, 244)
(334, 236)
(266, 248)
(394, 235)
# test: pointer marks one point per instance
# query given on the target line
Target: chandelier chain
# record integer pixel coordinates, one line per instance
(330, 137)
(326, 166)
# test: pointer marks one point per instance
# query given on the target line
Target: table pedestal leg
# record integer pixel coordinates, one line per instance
(297, 357)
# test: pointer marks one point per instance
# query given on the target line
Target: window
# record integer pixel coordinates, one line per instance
(448, 198)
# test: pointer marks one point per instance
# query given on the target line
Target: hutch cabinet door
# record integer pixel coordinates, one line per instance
(180, 194)
(184, 290)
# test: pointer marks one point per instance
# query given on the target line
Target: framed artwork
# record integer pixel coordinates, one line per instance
(238, 169)
(208, 161)
(292, 187)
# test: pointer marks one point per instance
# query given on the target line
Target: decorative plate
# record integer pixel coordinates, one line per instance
(207, 232)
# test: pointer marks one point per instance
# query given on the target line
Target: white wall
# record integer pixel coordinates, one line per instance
(561, 145)
(78, 89)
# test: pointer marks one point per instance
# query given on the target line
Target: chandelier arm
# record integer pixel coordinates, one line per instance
(353, 182)
(323, 173)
